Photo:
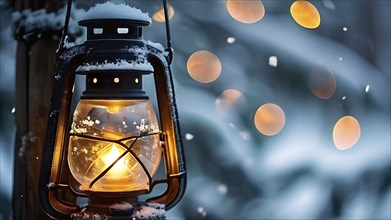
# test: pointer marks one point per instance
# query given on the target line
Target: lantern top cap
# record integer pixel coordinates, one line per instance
(111, 11)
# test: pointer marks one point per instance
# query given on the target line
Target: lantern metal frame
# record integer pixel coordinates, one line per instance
(55, 146)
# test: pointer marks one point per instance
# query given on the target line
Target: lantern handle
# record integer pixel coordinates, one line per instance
(61, 47)
(169, 48)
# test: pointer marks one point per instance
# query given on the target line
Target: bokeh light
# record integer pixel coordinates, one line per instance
(346, 132)
(305, 14)
(322, 82)
(203, 66)
(269, 119)
(246, 11)
(228, 101)
(159, 15)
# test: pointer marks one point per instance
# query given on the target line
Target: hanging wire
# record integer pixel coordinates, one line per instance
(169, 48)
(61, 48)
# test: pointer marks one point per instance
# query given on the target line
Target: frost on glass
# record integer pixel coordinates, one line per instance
(96, 125)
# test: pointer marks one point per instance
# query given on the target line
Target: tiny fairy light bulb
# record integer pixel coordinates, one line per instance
(246, 11)
(305, 14)
(269, 119)
(203, 66)
(346, 132)
(159, 15)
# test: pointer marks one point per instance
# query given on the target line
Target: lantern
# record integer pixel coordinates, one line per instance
(110, 148)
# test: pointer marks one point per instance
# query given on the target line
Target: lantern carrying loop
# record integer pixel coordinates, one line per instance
(169, 48)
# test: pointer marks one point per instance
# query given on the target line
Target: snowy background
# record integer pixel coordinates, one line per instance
(234, 171)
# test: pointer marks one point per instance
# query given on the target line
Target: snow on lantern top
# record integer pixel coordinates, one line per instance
(114, 21)
(109, 10)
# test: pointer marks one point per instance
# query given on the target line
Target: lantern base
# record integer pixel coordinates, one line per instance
(118, 207)
(99, 208)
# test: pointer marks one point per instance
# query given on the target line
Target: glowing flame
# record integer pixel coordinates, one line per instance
(305, 14)
(346, 132)
(246, 11)
(112, 156)
(269, 119)
(113, 108)
(322, 82)
(203, 66)
(159, 15)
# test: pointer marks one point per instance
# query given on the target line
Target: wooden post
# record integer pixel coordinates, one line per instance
(35, 68)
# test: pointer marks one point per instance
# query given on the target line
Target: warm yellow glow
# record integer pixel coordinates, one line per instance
(246, 11)
(113, 108)
(88, 158)
(346, 132)
(203, 66)
(136, 80)
(228, 100)
(159, 15)
(322, 82)
(110, 157)
(305, 14)
(269, 119)
(116, 80)
(95, 80)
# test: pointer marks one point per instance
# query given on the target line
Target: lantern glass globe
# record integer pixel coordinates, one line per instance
(101, 133)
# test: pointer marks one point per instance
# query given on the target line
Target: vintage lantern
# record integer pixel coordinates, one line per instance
(109, 150)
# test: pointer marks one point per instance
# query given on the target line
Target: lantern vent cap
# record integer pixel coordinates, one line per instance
(119, 12)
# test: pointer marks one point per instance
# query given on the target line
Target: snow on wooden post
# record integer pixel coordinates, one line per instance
(35, 65)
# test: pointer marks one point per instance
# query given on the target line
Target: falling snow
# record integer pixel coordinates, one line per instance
(231, 40)
(223, 189)
(273, 61)
(245, 135)
(189, 136)
(329, 4)
(201, 211)
(367, 88)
